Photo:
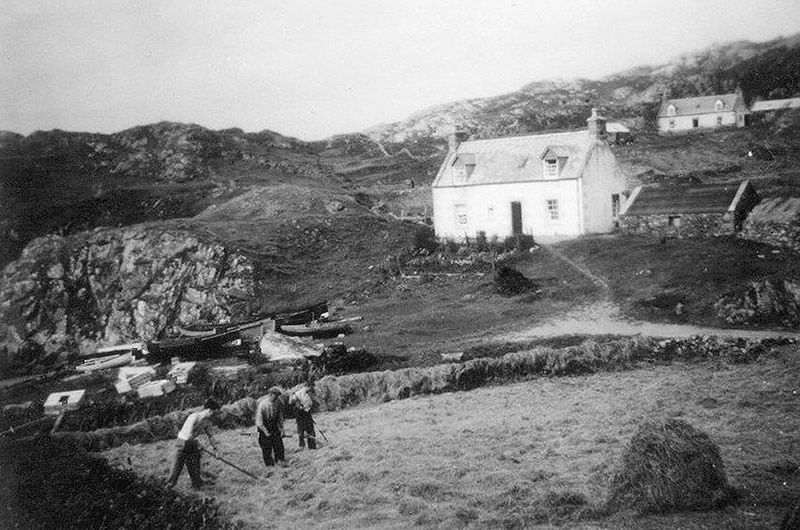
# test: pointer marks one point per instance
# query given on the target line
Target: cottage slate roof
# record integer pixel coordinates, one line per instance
(674, 200)
(702, 105)
(775, 104)
(518, 158)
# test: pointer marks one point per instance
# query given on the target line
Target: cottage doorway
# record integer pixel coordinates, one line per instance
(516, 218)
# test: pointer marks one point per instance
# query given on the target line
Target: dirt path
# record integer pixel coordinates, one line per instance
(605, 318)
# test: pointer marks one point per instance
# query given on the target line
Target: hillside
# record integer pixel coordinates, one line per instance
(320, 220)
(769, 70)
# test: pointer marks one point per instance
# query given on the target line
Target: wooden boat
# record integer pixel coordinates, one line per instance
(209, 330)
(301, 316)
(190, 348)
(103, 363)
(316, 329)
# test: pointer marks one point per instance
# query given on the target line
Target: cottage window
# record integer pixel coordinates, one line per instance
(674, 221)
(461, 215)
(552, 209)
(719, 120)
(695, 122)
(671, 110)
(719, 105)
(671, 124)
(551, 168)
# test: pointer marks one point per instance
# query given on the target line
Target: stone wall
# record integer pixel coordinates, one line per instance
(770, 302)
(779, 234)
(691, 225)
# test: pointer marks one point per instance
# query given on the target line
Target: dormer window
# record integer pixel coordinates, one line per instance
(463, 167)
(554, 158)
(671, 110)
(719, 105)
(551, 168)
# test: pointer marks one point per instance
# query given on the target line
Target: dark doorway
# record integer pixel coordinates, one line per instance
(516, 218)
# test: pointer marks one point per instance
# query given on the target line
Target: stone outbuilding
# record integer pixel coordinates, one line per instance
(549, 186)
(678, 211)
(775, 221)
(617, 133)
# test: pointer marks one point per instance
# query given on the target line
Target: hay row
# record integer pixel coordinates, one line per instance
(338, 392)
(164, 427)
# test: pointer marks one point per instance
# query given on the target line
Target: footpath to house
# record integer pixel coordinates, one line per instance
(604, 318)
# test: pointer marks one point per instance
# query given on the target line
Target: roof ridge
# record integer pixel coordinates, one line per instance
(541, 135)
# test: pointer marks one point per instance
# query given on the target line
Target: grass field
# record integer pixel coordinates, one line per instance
(525, 455)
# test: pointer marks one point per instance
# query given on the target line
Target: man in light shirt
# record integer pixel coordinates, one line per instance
(187, 449)
(303, 402)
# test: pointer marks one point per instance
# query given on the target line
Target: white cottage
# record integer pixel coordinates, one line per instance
(685, 115)
(550, 186)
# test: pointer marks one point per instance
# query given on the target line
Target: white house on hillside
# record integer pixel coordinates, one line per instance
(550, 186)
(680, 116)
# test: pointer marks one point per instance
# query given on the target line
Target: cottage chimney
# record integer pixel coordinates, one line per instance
(455, 139)
(597, 124)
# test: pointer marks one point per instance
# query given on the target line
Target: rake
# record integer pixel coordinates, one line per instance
(234, 466)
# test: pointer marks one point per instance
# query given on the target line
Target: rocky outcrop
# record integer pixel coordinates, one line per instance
(110, 286)
(768, 302)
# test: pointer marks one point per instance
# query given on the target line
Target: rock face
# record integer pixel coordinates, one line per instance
(111, 286)
(767, 302)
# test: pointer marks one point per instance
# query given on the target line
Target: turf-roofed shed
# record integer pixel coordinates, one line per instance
(698, 211)
(775, 221)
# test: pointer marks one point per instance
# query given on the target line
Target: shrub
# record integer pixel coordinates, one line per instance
(425, 239)
(511, 282)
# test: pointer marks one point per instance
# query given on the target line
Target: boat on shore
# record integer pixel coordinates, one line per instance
(208, 330)
(104, 363)
(316, 329)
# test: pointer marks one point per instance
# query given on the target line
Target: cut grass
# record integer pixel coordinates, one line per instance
(528, 454)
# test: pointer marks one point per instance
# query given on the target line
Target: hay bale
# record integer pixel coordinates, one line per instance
(670, 465)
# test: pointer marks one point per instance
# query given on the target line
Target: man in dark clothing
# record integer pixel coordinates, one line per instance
(269, 422)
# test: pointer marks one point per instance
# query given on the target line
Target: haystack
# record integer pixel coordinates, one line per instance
(670, 465)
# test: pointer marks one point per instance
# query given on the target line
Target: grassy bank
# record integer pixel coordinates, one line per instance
(525, 455)
(49, 484)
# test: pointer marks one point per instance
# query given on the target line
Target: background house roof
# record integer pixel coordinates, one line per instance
(657, 200)
(518, 159)
(616, 127)
(775, 104)
(702, 104)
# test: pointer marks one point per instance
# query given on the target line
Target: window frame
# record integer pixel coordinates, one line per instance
(553, 213)
(551, 169)
(462, 217)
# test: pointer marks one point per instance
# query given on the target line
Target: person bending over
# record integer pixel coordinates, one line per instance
(187, 447)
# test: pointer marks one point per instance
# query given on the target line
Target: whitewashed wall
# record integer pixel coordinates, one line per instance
(705, 121)
(488, 209)
(603, 177)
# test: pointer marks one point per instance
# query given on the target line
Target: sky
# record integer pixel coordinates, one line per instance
(312, 68)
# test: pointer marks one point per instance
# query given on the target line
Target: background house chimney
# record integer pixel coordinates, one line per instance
(455, 139)
(597, 124)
